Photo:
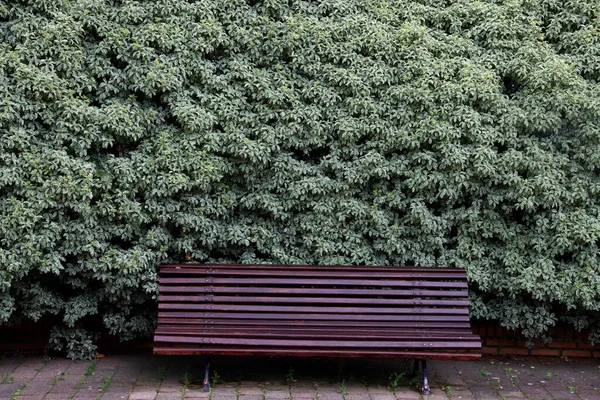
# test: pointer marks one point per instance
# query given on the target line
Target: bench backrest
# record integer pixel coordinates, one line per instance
(319, 296)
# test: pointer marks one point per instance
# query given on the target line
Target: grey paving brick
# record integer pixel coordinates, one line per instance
(142, 394)
(169, 396)
(34, 388)
(144, 377)
(383, 396)
(7, 389)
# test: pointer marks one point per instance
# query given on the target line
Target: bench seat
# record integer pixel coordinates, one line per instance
(308, 310)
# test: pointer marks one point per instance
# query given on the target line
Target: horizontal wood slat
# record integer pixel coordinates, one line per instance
(309, 300)
(312, 335)
(209, 289)
(320, 310)
(342, 311)
(345, 353)
(275, 330)
(306, 317)
(365, 268)
(316, 323)
(313, 274)
(356, 344)
(315, 282)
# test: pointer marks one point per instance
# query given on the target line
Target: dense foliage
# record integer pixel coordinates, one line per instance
(430, 132)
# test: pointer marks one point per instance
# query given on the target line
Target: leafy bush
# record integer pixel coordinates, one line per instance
(335, 131)
(78, 344)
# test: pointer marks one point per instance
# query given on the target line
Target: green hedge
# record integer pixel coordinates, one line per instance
(461, 133)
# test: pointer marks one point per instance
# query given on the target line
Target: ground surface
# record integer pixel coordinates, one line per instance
(143, 376)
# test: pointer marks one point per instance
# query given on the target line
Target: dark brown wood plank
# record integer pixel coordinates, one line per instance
(316, 323)
(209, 289)
(309, 300)
(331, 335)
(202, 272)
(311, 282)
(345, 353)
(319, 310)
(416, 292)
(307, 316)
(365, 268)
(339, 344)
(299, 330)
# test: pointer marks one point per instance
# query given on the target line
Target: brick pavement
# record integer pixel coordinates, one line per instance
(147, 377)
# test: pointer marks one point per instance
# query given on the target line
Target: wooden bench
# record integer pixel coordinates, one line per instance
(309, 310)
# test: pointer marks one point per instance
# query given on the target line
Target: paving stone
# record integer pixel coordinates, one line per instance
(63, 388)
(21, 374)
(195, 393)
(356, 396)
(277, 395)
(407, 394)
(510, 393)
(437, 397)
(168, 388)
(115, 396)
(463, 395)
(436, 394)
(153, 382)
(139, 375)
(306, 396)
(356, 388)
(53, 396)
(585, 395)
(33, 388)
(220, 391)
(123, 381)
(383, 396)
(331, 396)
(534, 391)
(28, 398)
(118, 389)
(378, 390)
(7, 389)
(7, 369)
(308, 391)
(140, 394)
(168, 396)
(486, 393)
(563, 395)
(89, 396)
(254, 390)
(80, 368)
(199, 394)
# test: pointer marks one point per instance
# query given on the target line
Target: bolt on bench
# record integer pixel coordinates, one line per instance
(315, 310)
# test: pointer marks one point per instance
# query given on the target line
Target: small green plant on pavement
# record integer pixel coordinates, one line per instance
(187, 379)
(448, 389)
(343, 388)
(395, 380)
(104, 385)
(289, 378)
(91, 369)
(6, 379)
(162, 372)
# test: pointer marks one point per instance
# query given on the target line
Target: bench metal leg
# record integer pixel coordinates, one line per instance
(425, 389)
(206, 382)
